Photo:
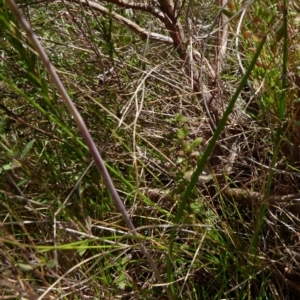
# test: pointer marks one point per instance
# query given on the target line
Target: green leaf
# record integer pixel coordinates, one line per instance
(27, 148)
(25, 267)
(197, 142)
(51, 264)
(196, 208)
(180, 160)
(121, 281)
(11, 166)
(181, 134)
(83, 248)
(22, 182)
(188, 174)
(126, 259)
(183, 119)
(188, 147)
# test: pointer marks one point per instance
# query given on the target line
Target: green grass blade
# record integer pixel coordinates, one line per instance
(282, 105)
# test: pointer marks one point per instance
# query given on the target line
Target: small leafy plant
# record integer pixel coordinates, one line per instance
(187, 152)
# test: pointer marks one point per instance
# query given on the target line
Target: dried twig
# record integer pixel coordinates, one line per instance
(143, 33)
(221, 39)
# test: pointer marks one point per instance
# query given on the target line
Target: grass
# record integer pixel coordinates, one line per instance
(228, 233)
